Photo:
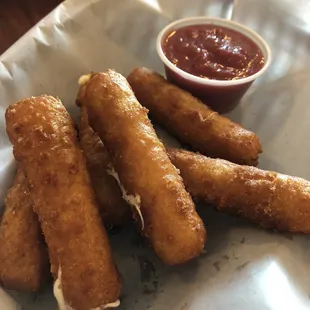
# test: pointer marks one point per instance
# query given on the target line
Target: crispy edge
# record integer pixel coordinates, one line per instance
(24, 260)
(129, 136)
(192, 122)
(45, 144)
(266, 198)
(113, 208)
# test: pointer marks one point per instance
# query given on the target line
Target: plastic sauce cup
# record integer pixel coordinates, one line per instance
(220, 95)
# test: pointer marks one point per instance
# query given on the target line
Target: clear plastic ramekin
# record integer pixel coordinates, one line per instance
(221, 95)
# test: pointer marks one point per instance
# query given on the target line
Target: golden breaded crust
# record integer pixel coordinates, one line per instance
(266, 198)
(45, 144)
(193, 122)
(24, 264)
(172, 225)
(113, 208)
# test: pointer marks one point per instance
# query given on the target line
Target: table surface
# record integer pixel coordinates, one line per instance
(18, 16)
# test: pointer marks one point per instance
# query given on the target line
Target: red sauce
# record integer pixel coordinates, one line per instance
(213, 52)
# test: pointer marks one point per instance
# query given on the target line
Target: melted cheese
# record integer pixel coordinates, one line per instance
(114, 304)
(132, 200)
(84, 79)
(64, 306)
(58, 293)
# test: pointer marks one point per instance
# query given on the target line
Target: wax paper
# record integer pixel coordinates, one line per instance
(243, 267)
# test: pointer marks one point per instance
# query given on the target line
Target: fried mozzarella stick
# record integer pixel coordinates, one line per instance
(113, 208)
(150, 183)
(23, 256)
(269, 199)
(46, 146)
(191, 121)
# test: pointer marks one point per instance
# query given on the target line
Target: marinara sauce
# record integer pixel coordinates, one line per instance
(213, 52)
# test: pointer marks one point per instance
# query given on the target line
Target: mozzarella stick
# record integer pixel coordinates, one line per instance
(45, 144)
(113, 209)
(23, 256)
(150, 183)
(269, 199)
(192, 122)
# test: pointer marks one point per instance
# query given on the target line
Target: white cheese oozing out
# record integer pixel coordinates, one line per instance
(207, 118)
(64, 306)
(114, 304)
(132, 200)
(84, 79)
(58, 293)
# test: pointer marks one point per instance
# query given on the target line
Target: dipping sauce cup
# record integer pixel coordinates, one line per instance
(222, 95)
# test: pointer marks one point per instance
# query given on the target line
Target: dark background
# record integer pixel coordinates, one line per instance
(18, 16)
